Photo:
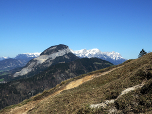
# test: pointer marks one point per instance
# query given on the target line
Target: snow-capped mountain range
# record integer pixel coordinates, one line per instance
(23, 56)
(27, 55)
(96, 53)
(113, 57)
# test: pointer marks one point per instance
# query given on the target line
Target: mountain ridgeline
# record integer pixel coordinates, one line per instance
(9, 64)
(53, 66)
(20, 60)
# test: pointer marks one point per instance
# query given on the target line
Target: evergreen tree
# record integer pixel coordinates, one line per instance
(142, 52)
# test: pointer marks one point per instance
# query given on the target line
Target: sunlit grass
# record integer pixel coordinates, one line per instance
(105, 87)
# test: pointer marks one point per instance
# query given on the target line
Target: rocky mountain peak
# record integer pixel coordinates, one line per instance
(53, 55)
(54, 49)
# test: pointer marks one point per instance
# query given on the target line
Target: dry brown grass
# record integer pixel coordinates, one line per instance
(108, 86)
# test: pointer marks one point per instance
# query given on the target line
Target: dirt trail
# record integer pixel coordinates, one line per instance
(30, 105)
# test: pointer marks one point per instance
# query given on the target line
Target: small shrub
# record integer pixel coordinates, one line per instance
(141, 73)
(147, 88)
(40, 96)
(88, 110)
(112, 95)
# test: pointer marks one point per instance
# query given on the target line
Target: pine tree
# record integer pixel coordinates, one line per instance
(142, 52)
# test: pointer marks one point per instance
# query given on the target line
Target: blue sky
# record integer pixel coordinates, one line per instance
(123, 26)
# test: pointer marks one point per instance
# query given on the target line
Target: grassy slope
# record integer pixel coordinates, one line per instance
(109, 86)
(18, 90)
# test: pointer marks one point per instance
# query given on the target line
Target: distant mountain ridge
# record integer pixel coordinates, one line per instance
(20, 60)
(10, 63)
(3, 58)
(27, 55)
(113, 57)
(23, 56)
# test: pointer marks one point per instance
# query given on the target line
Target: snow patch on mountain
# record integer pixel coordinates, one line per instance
(2, 58)
(33, 54)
